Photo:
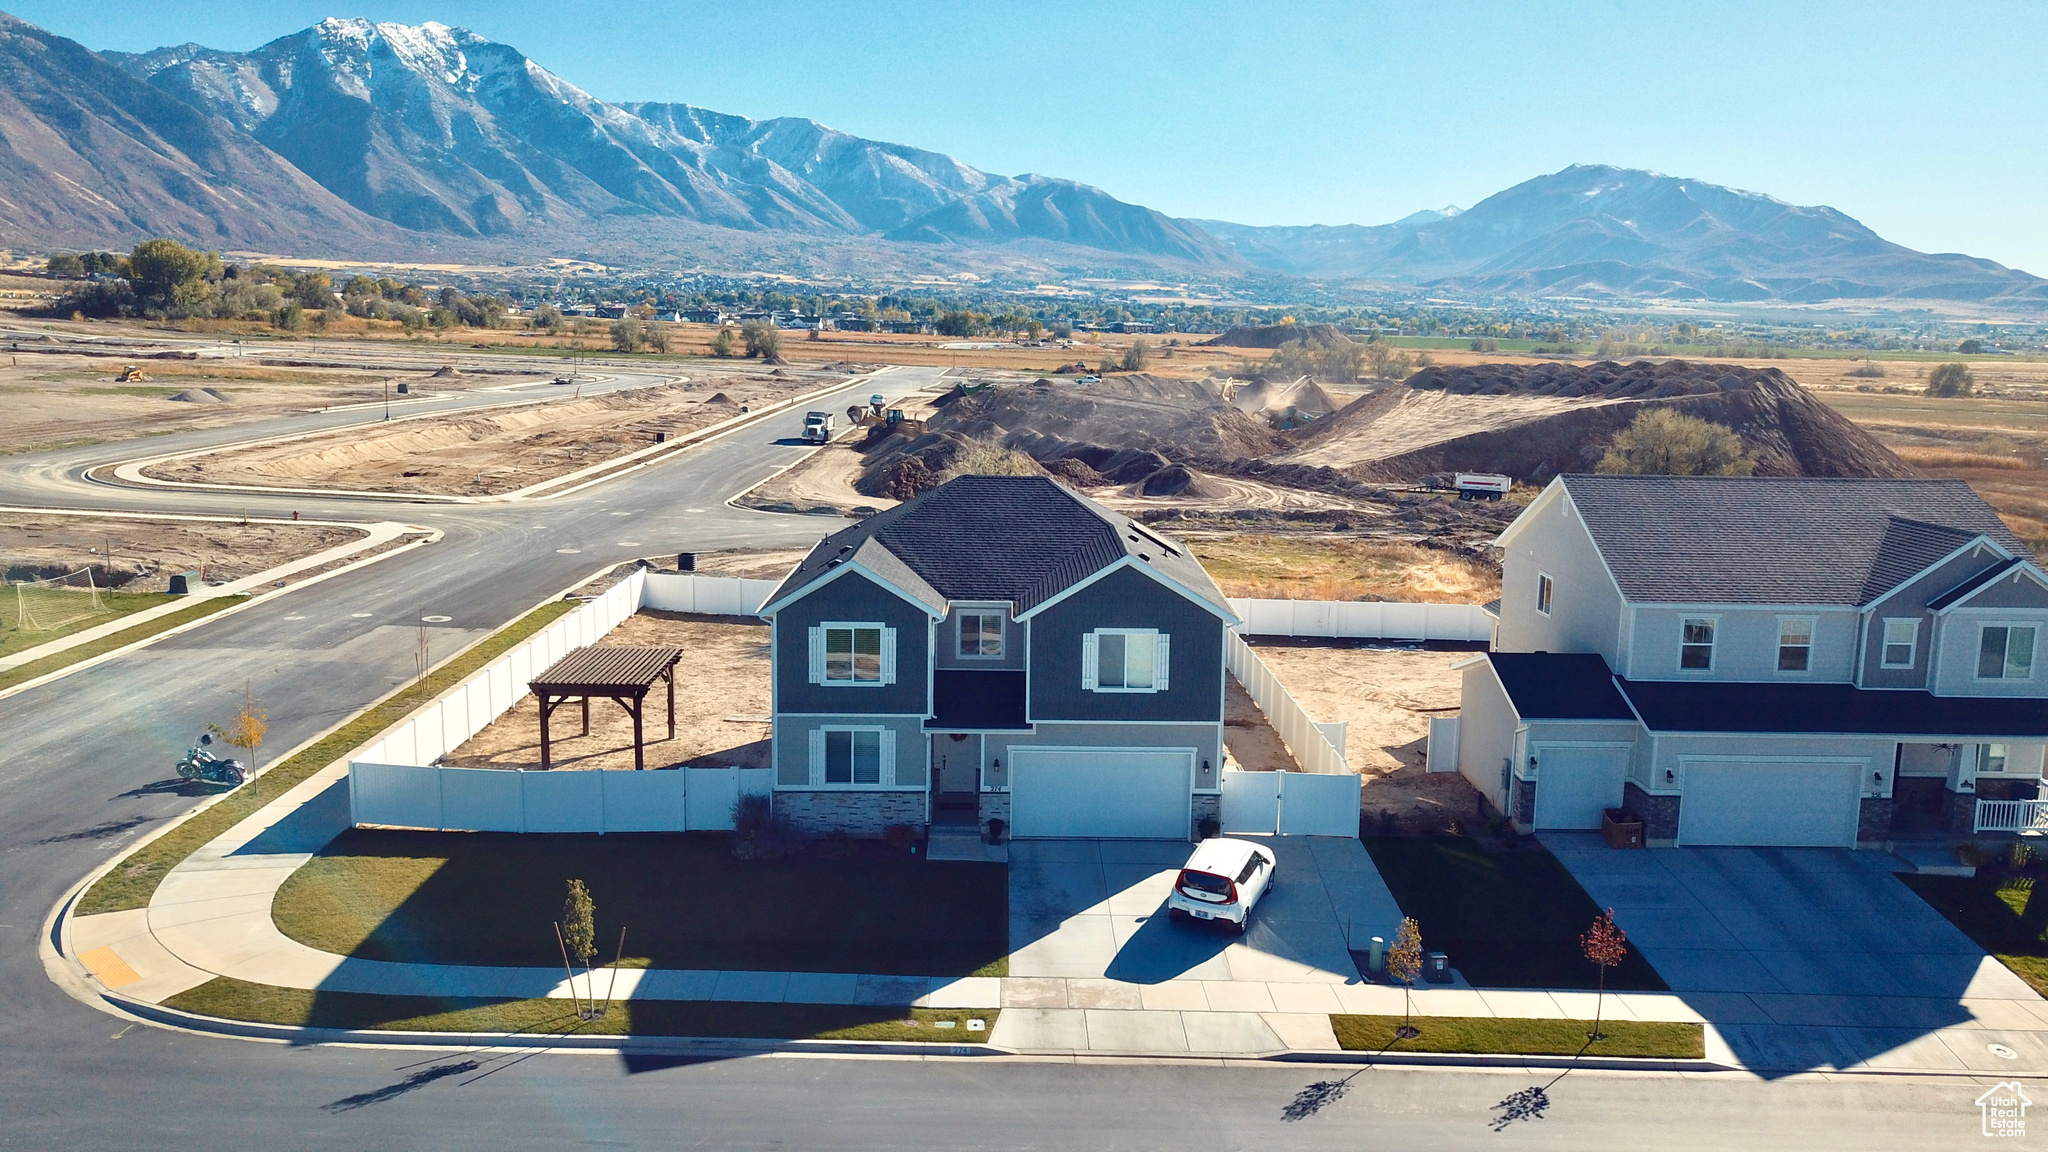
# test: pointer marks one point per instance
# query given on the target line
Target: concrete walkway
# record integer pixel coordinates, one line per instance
(379, 534)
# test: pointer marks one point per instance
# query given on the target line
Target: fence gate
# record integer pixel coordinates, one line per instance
(1290, 803)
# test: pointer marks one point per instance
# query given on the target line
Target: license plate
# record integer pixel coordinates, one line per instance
(1204, 916)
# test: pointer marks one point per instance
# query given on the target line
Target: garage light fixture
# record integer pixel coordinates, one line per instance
(1669, 776)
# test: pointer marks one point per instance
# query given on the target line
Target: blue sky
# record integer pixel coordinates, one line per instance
(1922, 120)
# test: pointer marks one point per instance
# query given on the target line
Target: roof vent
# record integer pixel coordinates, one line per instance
(1144, 557)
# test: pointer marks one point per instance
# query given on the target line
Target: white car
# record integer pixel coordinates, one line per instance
(1222, 881)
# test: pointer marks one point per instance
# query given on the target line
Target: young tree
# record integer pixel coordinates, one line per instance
(724, 345)
(251, 722)
(1136, 355)
(578, 930)
(1404, 963)
(1387, 361)
(655, 337)
(1952, 379)
(763, 339)
(1666, 442)
(167, 274)
(66, 265)
(626, 335)
(1606, 946)
(546, 318)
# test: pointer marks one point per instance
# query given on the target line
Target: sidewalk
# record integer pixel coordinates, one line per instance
(379, 534)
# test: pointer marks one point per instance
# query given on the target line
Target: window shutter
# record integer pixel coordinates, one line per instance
(817, 654)
(1163, 646)
(817, 754)
(1088, 662)
(888, 774)
(888, 655)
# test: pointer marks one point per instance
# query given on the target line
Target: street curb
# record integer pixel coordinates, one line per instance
(1500, 1060)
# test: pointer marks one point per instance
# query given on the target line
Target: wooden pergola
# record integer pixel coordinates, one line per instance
(622, 675)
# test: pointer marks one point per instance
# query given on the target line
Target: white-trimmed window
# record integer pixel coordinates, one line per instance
(1543, 590)
(1901, 642)
(845, 652)
(1125, 660)
(981, 633)
(2006, 652)
(1696, 644)
(1795, 643)
(1991, 758)
(853, 756)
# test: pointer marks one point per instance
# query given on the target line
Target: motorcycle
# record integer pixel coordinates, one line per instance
(199, 764)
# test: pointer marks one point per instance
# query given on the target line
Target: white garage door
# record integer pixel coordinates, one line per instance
(1787, 803)
(1573, 785)
(1120, 793)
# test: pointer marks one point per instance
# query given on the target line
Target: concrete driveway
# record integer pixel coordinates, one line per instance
(1812, 957)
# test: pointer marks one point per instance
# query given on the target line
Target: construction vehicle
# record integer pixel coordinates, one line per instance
(875, 403)
(817, 427)
(1482, 485)
(132, 374)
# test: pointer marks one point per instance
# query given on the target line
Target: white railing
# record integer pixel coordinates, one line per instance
(1290, 803)
(1365, 620)
(508, 800)
(1305, 739)
(2012, 816)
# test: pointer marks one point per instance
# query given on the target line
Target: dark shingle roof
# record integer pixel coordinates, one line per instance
(1721, 706)
(1022, 539)
(1973, 583)
(1560, 686)
(1776, 540)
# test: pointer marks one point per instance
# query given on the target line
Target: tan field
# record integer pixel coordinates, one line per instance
(140, 555)
(1313, 566)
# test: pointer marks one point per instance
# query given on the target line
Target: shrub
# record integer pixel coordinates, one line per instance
(725, 345)
(763, 339)
(759, 833)
(1666, 442)
(1951, 379)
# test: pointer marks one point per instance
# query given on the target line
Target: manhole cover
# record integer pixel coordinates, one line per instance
(2002, 1052)
(435, 619)
(568, 551)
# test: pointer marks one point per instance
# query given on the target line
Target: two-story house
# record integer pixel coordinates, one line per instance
(999, 647)
(1760, 661)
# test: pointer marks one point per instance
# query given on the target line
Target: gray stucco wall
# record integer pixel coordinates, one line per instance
(1745, 644)
(856, 599)
(1127, 599)
(1586, 607)
(1486, 733)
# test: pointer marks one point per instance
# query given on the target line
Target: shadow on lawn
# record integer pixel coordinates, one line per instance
(488, 898)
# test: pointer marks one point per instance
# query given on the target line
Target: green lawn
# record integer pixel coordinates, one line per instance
(1506, 919)
(1493, 1035)
(23, 673)
(131, 883)
(492, 898)
(1988, 908)
(117, 604)
(237, 1000)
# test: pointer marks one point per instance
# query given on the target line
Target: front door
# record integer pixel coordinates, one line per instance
(956, 769)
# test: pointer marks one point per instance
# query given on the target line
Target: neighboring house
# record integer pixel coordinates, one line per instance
(1760, 660)
(999, 647)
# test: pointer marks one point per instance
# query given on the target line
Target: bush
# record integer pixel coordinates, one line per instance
(1666, 442)
(1135, 356)
(763, 339)
(725, 345)
(1868, 371)
(759, 833)
(1952, 379)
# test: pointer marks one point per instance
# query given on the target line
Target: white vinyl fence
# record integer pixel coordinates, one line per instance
(393, 782)
(1307, 740)
(1365, 620)
(2012, 816)
(1290, 803)
(1442, 749)
(508, 800)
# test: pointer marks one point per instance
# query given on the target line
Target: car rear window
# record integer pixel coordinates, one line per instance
(1204, 882)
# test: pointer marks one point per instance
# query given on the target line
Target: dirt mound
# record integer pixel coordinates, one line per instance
(1179, 480)
(444, 373)
(1535, 421)
(1301, 400)
(198, 396)
(1274, 335)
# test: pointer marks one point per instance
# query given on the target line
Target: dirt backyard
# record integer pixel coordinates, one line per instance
(489, 452)
(141, 555)
(1387, 695)
(722, 700)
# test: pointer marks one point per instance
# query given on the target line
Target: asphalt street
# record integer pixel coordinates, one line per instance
(85, 767)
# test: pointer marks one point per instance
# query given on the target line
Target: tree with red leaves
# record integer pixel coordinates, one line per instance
(1606, 946)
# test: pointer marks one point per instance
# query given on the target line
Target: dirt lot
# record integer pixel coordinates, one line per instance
(1387, 695)
(722, 700)
(1324, 566)
(488, 452)
(144, 553)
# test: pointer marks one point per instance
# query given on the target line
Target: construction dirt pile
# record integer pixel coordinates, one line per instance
(1121, 430)
(1535, 421)
(1274, 335)
(485, 453)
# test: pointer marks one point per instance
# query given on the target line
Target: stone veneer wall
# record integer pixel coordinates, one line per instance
(995, 806)
(1659, 813)
(1525, 803)
(1959, 812)
(1874, 820)
(865, 815)
(1208, 806)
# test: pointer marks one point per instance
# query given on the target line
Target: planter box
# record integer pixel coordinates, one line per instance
(1621, 828)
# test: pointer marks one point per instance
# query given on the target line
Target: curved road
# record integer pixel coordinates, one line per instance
(84, 771)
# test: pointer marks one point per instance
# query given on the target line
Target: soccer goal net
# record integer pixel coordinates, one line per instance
(45, 605)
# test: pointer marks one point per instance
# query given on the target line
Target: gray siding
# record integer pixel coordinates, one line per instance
(1959, 638)
(793, 751)
(1877, 752)
(946, 649)
(1205, 739)
(1585, 606)
(1127, 599)
(2017, 590)
(852, 597)
(1486, 733)
(1745, 644)
(1909, 601)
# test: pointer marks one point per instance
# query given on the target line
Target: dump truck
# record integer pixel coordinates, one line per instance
(1482, 485)
(817, 427)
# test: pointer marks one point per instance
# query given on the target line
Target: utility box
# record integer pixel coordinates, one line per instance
(182, 583)
(686, 561)
(1436, 968)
